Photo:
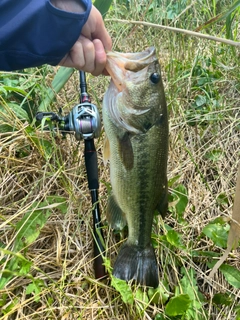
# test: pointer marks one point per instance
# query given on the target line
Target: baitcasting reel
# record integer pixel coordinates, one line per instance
(83, 120)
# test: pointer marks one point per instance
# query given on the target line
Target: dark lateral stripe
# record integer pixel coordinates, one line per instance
(145, 217)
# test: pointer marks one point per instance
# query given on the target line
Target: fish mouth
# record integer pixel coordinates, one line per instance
(121, 65)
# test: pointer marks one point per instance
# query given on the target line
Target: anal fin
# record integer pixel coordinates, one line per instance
(162, 205)
(115, 216)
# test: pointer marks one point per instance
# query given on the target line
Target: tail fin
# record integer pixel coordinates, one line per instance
(137, 263)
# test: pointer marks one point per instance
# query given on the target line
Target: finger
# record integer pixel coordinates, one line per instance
(100, 32)
(100, 57)
(75, 58)
(81, 56)
(89, 54)
(103, 35)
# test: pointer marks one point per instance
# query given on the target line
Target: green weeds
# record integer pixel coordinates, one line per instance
(27, 231)
(183, 300)
(45, 234)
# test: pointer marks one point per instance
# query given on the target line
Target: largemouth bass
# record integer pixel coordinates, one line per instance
(136, 126)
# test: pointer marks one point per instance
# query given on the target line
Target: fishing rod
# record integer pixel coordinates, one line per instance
(93, 121)
(84, 121)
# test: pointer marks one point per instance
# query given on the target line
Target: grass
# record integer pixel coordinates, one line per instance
(45, 219)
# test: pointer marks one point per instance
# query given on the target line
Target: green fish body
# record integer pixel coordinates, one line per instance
(136, 126)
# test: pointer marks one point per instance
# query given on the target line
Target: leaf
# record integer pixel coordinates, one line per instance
(9, 307)
(141, 296)
(218, 233)
(222, 199)
(222, 299)
(200, 100)
(35, 288)
(32, 288)
(47, 147)
(25, 267)
(175, 239)
(107, 264)
(188, 285)
(3, 299)
(178, 305)
(16, 109)
(44, 146)
(237, 310)
(231, 274)
(59, 201)
(28, 230)
(17, 265)
(15, 89)
(30, 225)
(158, 295)
(123, 288)
(159, 316)
(103, 6)
(180, 192)
(173, 180)
(200, 253)
(214, 155)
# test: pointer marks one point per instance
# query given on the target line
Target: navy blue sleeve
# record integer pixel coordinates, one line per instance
(33, 32)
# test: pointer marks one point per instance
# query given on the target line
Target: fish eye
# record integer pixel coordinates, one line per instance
(155, 77)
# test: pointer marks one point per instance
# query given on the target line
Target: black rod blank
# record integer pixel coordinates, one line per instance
(91, 164)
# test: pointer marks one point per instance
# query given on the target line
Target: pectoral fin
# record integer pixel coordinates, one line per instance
(115, 216)
(126, 151)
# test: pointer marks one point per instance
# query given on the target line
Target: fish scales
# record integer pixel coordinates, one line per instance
(136, 125)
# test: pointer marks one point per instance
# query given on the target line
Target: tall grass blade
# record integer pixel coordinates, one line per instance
(58, 83)
(219, 17)
(229, 22)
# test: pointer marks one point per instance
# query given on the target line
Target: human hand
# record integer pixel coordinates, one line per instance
(88, 53)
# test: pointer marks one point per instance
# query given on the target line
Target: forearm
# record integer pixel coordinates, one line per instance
(34, 32)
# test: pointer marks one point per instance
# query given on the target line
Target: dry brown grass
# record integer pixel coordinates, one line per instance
(62, 254)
